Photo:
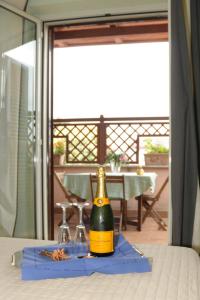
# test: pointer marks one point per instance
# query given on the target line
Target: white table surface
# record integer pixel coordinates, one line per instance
(135, 185)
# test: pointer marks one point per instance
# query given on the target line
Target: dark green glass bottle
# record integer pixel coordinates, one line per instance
(101, 220)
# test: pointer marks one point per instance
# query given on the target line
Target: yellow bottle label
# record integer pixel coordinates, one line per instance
(101, 201)
(101, 241)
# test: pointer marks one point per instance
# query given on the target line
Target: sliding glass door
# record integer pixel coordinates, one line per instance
(20, 134)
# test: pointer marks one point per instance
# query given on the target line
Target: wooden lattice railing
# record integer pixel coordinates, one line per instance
(89, 140)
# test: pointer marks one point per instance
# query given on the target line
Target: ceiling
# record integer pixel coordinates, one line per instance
(64, 9)
(17, 3)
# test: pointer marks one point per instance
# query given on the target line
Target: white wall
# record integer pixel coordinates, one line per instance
(64, 9)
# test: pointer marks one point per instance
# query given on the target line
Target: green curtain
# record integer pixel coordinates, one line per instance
(185, 122)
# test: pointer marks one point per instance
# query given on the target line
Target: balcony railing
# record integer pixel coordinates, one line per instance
(90, 140)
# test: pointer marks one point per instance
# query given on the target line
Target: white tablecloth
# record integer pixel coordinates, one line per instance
(175, 276)
(135, 185)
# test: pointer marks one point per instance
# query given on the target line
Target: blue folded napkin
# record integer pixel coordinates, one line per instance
(124, 260)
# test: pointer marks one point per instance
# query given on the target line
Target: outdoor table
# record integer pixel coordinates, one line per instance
(135, 186)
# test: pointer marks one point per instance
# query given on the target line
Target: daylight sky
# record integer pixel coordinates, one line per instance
(124, 80)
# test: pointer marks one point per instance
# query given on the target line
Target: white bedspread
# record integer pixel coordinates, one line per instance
(175, 276)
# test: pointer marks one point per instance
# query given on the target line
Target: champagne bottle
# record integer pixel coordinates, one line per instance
(101, 220)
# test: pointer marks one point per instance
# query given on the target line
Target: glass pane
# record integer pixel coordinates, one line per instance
(17, 125)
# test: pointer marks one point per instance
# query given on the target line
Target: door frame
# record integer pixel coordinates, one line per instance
(48, 99)
(38, 114)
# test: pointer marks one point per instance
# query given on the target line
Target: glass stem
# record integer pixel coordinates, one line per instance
(81, 215)
(64, 216)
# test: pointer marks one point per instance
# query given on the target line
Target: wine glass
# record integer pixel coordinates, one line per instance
(80, 238)
(64, 235)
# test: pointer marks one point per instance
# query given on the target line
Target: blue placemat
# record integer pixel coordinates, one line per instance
(125, 260)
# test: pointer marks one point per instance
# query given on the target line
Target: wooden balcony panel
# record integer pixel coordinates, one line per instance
(89, 142)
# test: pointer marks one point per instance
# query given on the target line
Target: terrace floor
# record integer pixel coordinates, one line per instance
(149, 234)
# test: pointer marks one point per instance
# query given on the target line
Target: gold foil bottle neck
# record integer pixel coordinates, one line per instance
(101, 183)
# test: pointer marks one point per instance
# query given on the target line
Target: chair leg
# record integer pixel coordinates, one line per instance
(86, 218)
(154, 214)
(85, 213)
(123, 211)
(139, 219)
(148, 208)
(120, 221)
(71, 214)
(159, 220)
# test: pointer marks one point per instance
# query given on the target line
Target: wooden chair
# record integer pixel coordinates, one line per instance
(70, 197)
(148, 202)
(114, 180)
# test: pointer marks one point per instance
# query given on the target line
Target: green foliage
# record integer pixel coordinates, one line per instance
(154, 148)
(116, 157)
(59, 148)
